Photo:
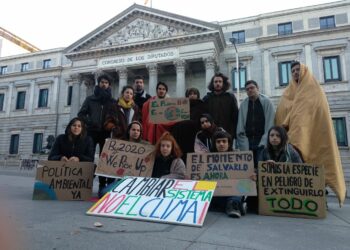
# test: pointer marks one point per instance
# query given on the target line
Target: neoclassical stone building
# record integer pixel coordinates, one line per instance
(40, 92)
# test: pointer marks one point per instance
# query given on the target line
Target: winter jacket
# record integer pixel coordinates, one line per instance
(177, 168)
(83, 148)
(93, 112)
(223, 108)
(116, 117)
(288, 154)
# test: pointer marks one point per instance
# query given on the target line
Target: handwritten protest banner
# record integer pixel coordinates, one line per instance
(161, 200)
(291, 189)
(169, 110)
(124, 158)
(60, 180)
(231, 170)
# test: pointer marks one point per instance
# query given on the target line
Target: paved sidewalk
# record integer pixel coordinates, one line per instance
(64, 225)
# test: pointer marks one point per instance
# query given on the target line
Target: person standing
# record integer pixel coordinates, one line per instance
(304, 112)
(93, 113)
(255, 118)
(152, 132)
(221, 104)
(121, 114)
(141, 96)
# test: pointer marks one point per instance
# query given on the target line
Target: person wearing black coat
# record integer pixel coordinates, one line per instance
(93, 113)
(74, 144)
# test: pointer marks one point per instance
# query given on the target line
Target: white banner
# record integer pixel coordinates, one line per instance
(139, 58)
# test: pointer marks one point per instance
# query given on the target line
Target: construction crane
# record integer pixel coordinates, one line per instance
(17, 40)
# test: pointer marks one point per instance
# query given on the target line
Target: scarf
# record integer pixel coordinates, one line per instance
(124, 104)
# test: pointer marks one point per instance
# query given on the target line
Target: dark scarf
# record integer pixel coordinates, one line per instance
(162, 166)
(103, 95)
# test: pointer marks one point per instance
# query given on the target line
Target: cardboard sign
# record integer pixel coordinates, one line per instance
(169, 110)
(124, 158)
(160, 200)
(61, 180)
(231, 170)
(291, 189)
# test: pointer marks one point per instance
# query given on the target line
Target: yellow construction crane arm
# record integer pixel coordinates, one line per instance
(17, 40)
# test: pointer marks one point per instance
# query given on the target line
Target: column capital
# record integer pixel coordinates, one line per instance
(152, 68)
(210, 62)
(122, 72)
(180, 65)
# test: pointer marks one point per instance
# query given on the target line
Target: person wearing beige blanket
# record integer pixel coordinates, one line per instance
(304, 112)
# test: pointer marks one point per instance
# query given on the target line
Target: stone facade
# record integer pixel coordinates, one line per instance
(181, 51)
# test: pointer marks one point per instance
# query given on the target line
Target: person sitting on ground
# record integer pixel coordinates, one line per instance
(203, 140)
(74, 144)
(278, 149)
(235, 206)
(168, 162)
(134, 133)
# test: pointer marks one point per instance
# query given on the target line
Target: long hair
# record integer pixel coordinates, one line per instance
(226, 83)
(193, 91)
(283, 136)
(175, 149)
(129, 127)
(221, 134)
(68, 130)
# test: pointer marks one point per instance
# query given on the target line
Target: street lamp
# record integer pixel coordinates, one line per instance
(233, 41)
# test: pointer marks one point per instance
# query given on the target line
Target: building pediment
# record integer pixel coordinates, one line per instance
(140, 26)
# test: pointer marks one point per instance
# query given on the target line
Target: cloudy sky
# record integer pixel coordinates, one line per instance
(51, 24)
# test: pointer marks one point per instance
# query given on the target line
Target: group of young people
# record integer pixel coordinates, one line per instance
(215, 124)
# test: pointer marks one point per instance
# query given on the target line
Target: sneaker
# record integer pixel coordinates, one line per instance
(243, 208)
(232, 209)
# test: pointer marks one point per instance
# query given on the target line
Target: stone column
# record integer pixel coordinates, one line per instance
(308, 56)
(75, 105)
(266, 68)
(153, 78)
(209, 70)
(180, 77)
(97, 73)
(10, 97)
(32, 104)
(123, 79)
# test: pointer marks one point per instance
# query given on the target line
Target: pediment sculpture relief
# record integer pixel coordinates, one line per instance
(142, 30)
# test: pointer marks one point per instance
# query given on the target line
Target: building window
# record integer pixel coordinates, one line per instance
(284, 73)
(14, 144)
(327, 22)
(285, 29)
(2, 99)
(37, 143)
(69, 95)
(331, 68)
(43, 98)
(242, 77)
(340, 131)
(24, 67)
(239, 36)
(3, 70)
(46, 63)
(21, 99)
